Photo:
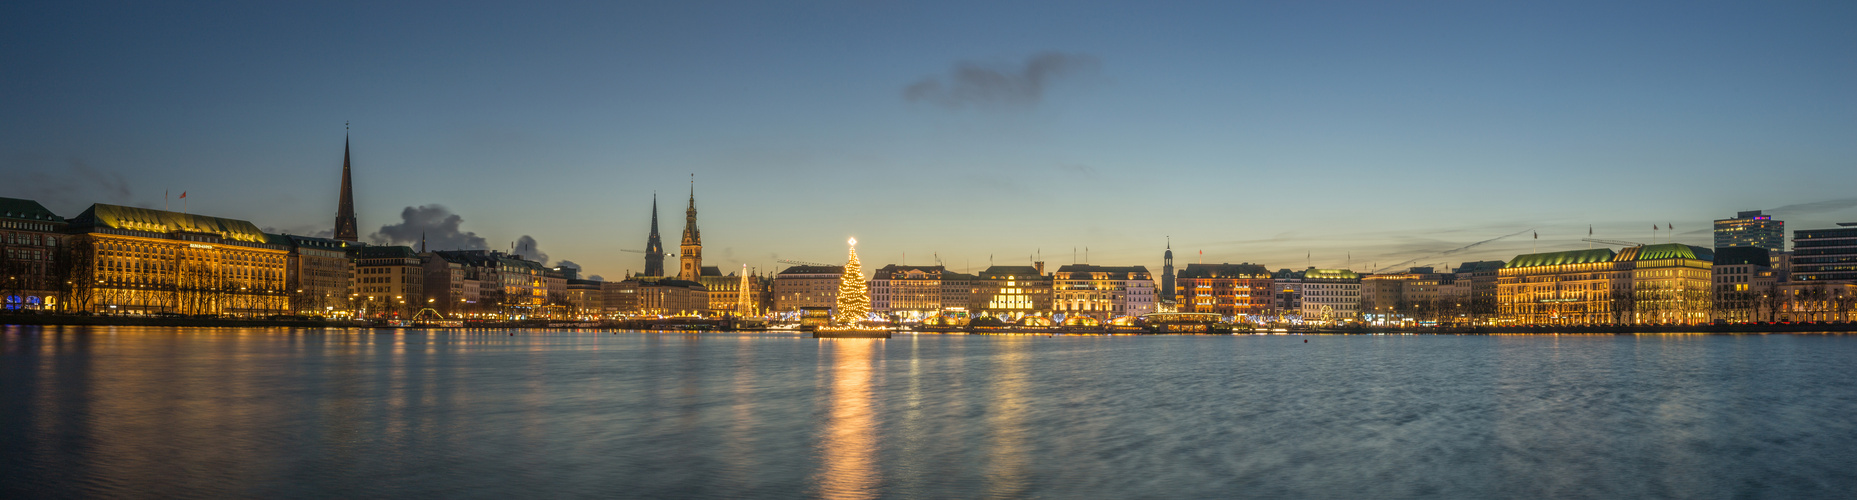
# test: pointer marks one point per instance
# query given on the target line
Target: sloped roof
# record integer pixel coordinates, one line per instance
(1330, 274)
(1588, 256)
(385, 252)
(1481, 265)
(1235, 271)
(1666, 251)
(1743, 255)
(1026, 271)
(814, 270)
(162, 221)
(16, 208)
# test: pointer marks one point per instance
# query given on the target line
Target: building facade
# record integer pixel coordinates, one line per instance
(389, 282)
(1012, 293)
(30, 256)
(1102, 292)
(1330, 296)
(1744, 283)
(127, 260)
(907, 293)
(1650, 284)
(1825, 254)
(318, 275)
(806, 286)
(1235, 290)
(1751, 229)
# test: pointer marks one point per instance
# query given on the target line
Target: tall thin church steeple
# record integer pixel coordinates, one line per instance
(345, 209)
(1168, 294)
(692, 256)
(654, 248)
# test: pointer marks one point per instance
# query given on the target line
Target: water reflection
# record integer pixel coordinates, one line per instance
(1007, 458)
(848, 448)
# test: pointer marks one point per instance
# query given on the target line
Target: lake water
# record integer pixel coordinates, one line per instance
(279, 413)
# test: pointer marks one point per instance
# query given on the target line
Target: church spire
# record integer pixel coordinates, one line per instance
(654, 248)
(692, 251)
(345, 209)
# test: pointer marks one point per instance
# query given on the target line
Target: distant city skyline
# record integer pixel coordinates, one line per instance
(1283, 135)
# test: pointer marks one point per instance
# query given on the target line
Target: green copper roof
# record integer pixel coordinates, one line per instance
(1561, 258)
(1666, 251)
(15, 208)
(1330, 274)
(162, 221)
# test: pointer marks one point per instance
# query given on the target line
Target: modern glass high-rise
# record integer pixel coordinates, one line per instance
(1825, 254)
(1751, 229)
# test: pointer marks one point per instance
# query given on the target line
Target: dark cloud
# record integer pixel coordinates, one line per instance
(566, 263)
(1452, 251)
(528, 249)
(1816, 207)
(977, 85)
(436, 224)
(597, 277)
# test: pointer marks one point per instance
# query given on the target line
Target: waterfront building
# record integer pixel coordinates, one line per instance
(1471, 290)
(1011, 293)
(451, 284)
(1286, 295)
(692, 256)
(127, 260)
(585, 299)
(907, 293)
(1232, 290)
(1330, 296)
(660, 296)
(1751, 229)
(317, 273)
(346, 227)
(1102, 292)
(1744, 283)
(725, 292)
(30, 251)
(508, 286)
(1817, 300)
(389, 281)
(1649, 284)
(654, 248)
(806, 286)
(1825, 254)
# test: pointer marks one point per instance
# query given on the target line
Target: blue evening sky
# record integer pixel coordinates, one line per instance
(1271, 132)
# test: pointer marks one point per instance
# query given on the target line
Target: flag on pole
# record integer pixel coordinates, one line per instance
(183, 194)
(1537, 235)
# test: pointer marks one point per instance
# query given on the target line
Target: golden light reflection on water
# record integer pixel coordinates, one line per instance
(1007, 459)
(848, 450)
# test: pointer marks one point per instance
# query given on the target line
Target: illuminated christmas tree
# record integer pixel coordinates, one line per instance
(853, 293)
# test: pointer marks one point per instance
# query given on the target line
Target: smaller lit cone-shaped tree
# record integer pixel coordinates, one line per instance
(853, 293)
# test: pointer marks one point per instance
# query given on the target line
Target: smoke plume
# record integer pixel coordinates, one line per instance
(980, 86)
(435, 223)
(527, 249)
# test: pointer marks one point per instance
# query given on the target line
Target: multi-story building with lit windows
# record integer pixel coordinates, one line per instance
(1013, 292)
(725, 291)
(1330, 296)
(127, 260)
(29, 251)
(1652, 284)
(1751, 229)
(1225, 289)
(389, 282)
(907, 292)
(1102, 292)
(657, 296)
(508, 286)
(806, 286)
(317, 274)
(1744, 285)
(1825, 254)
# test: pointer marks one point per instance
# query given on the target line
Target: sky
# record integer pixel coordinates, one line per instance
(1290, 134)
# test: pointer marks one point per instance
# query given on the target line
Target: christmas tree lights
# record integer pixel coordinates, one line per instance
(853, 293)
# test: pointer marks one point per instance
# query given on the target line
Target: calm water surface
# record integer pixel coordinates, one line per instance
(278, 413)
